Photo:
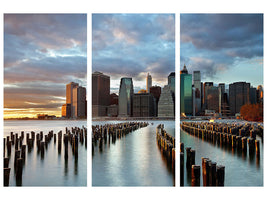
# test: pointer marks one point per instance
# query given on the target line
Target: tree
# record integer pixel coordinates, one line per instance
(252, 112)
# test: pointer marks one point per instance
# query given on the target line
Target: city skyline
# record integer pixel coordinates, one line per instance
(42, 53)
(226, 48)
(132, 45)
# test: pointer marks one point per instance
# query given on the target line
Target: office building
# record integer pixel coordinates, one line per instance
(66, 110)
(75, 106)
(171, 81)
(166, 104)
(143, 105)
(148, 82)
(213, 95)
(125, 97)
(100, 94)
(186, 104)
(79, 102)
(197, 86)
(238, 96)
(155, 91)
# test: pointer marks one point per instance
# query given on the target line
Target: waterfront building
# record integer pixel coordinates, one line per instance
(148, 82)
(186, 105)
(197, 86)
(225, 105)
(66, 110)
(75, 106)
(112, 110)
(143, 105)
(79, 102)
(155, 91)
(206, 85)
(194, 101)
(259, 94)
(213, 95)
(252, 95)
(238, 96)
(125, 97)
(166, 104)
(114, 99)
(100, 94)
(171, 81)
(69, 95)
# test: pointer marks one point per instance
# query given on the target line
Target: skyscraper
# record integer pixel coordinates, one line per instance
(143, 105)
(166, 104)
(148, 82)
(206, 86)
(197, 86)
(213, 95)
(100, 94)
(156, 91)
(69, 95)
(238, 96)
(125, 97)
(75, 106)
(171, 81)
(186, 104)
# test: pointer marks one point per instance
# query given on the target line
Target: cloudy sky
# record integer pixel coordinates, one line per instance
(42, 53)
(224, 47)
(131, 45)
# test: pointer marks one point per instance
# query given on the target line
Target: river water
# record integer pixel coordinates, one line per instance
(134, 160)
(52, 170)
(240, 169)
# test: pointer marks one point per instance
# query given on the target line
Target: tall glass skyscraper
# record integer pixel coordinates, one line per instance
(186, 106)
(125, 97)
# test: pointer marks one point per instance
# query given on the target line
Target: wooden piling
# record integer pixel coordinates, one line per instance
(195, 175)
(220, 175)
(181, 169)
(6, 176)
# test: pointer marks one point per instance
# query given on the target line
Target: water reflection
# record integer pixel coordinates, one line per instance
(236, 162)
(132, 160)
(47, 167)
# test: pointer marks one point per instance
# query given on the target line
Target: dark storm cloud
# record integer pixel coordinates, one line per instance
(42, 53)
(220, 39)
(133, 44)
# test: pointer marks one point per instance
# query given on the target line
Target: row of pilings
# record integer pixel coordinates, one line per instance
(103, 134)
(237, 136)
(166, 143)
(212, 174)
(20, 146)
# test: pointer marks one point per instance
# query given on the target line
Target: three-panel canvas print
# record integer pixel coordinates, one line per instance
(149, 126)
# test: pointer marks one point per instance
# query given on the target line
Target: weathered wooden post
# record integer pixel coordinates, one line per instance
(212, 178)
(23, 151)
(188, 158)
(195, 175)
(220, 175)
(19, 168)
(6, 176)
(181, 169)
(257, 146)
(6, 162)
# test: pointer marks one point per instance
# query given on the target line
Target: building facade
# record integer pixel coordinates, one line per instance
(143, 105)
(186, 104)
(166, 104)
(126, 97)
(238, 96)
(76, 103)
(148, 82)
(100, 94)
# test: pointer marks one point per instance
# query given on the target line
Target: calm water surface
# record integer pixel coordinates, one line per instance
(52, 170)
(134, 160)
(240, 169)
